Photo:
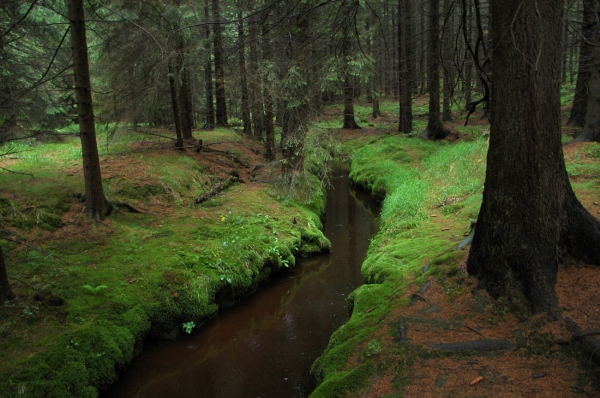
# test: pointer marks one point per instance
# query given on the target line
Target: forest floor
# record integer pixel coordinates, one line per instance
(536, 356)
(89, 291)
(413, 352)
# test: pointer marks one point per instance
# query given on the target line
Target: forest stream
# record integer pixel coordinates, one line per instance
(265, 346)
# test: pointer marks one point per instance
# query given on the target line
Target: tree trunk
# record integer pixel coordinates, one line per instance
(467, 19)
(422, 35)
(435, 128)
(349, 122)
(185, 103)
(447, 56)
(247, 123)
(405, 90)
(210, 108)
(96, 205)
(530, 218)
(269, 113)
(255, 81)
(591, 128)
(175, 106)
(296, 109)
(6, 292)
(376, 73)
(221, 99)
(589, 29)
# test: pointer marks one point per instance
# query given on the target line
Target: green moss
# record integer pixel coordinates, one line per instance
(157, 272)
(344, 382)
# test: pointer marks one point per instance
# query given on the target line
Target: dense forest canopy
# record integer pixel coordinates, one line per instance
(246, 63)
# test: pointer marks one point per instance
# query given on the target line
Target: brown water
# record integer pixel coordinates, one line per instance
(265, 346)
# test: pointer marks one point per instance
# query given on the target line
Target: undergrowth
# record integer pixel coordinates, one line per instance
(88, 291)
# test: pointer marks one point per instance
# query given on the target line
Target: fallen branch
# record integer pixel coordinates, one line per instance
(229, 155)
(23, 282)
(17, 172)
(221, 186)
(476, 331)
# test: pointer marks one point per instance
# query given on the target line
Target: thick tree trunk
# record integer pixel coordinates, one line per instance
(96, 205)
(221, 99)
(210, 107)
(247, 123)
(530, 217)
(296, 109)
(435, 128)
(587, 51)
(405, 89)
(6, 292)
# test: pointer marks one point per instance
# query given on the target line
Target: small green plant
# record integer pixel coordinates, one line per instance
(30, 311)
(282, 260)
(188, 326)
(94, 290)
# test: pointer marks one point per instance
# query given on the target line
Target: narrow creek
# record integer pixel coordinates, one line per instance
(265, 346)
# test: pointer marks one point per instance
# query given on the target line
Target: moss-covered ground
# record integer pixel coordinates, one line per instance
(88, 292)
(418, 294)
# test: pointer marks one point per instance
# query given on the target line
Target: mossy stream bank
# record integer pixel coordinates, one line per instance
(88, 293)
(264, 346)
(418, 296)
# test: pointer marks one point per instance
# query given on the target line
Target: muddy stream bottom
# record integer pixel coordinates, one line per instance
(265, 346)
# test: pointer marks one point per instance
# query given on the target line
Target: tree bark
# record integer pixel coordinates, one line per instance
(221, 99)
(589, 30)
(467, 19)
(530, 219)
(376, 73)
(269, 113)
(422, 35)
(247, 123)
(185, 102)
(447, 56)
(255, 81)
(435, 128)
(6, 292)
(96, 205)
(210, 107)
(175, 106)
(405, 89)
(591, 128)
(349, 122)
(296, 109)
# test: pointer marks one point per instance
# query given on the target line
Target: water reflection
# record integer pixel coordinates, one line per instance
(265, 346)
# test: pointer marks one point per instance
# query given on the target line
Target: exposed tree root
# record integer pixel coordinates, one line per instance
(129, 206)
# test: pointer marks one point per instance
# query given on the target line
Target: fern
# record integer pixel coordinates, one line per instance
(96, 289)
